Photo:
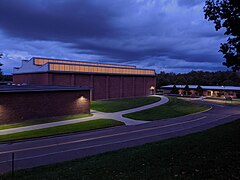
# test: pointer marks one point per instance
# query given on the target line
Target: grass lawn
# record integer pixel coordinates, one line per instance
(122, 104)
(222, 101)
(174, 108)
(41, 121)
(212, 154)
(77, 127)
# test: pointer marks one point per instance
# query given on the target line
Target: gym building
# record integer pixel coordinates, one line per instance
(106, 81)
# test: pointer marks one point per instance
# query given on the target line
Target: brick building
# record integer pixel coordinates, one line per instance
(107, 80)
(18, 103)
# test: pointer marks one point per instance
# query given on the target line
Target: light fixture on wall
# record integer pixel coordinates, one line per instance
(152, 88)
(82, 99)
(80, 102)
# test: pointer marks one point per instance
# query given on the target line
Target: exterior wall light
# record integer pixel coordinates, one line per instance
(152, 88)
(80, 102)
(82, 99)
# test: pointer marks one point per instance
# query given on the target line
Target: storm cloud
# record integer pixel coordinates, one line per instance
(169, 35)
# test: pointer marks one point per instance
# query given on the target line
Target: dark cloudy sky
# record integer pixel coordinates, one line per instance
(167, 35)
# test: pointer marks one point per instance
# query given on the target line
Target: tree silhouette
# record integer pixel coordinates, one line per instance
(218, 78)
(199, 90)
(174, 90)
(226, 14)
(1, 74)
(187, 90)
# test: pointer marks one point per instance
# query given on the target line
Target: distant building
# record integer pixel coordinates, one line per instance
(107, 80)
(198, 90)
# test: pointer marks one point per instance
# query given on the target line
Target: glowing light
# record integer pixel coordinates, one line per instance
(42, 61)
(97, 69)
(82, 98)
(152, 88)
(211, 93)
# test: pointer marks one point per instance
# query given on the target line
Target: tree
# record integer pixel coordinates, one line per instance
(199, 78)
(226, 14)
(186, 90)
(199, 90)
(1, 74)
(181, 80)
(174, 90)
(162, 80)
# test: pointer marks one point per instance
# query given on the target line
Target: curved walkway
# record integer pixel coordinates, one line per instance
(96, 115)
(118, 115)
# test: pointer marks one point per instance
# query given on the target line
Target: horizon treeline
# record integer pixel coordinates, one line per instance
(219, 78)
(6, 78)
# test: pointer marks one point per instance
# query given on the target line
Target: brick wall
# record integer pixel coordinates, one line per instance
(128, 87)
(115, 86)
(15, 107)
(104, 86)
(61, 79)
(99, 87)
(139, 86)
(36, 79)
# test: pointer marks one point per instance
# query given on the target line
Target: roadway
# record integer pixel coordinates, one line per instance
(37, 152)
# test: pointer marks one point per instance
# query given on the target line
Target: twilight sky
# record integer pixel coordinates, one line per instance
(166, 35)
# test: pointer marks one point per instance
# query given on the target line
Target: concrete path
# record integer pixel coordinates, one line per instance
(96, 115)
(119, 115)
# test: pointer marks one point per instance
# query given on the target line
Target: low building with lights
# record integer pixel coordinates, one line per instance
(19, 103)
(106, 80)
(198, 90)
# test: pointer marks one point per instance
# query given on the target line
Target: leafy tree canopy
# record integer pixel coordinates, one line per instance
(226, 14)
(1, 55)
(1, 74)
(174, 90)
(219, 78)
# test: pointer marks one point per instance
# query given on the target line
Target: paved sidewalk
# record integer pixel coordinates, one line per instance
(96, 115)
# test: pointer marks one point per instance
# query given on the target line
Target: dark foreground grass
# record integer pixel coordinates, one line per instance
(212, 154)
(43, 120)
(70, 128)
(174, 108)
(122, 104)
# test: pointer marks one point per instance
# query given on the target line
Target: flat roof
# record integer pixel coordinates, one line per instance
(39, 65)
(226, 88)
(33, 88)
(41, 61)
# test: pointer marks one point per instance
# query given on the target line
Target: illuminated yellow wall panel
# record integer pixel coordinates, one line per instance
(41, 61)
(93, 69)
